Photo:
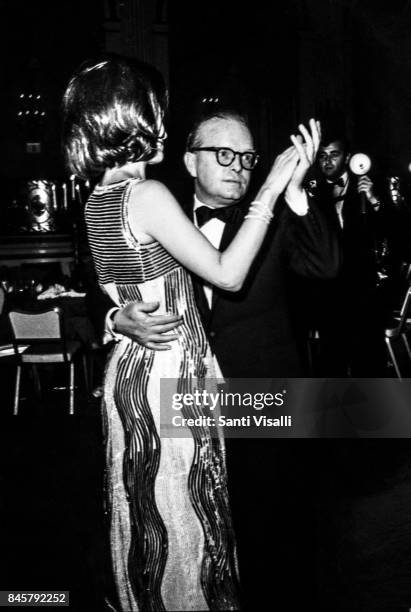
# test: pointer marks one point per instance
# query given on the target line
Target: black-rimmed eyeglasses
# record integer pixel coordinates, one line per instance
(226, 156)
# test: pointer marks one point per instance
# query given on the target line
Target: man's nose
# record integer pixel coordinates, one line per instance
(236, 163)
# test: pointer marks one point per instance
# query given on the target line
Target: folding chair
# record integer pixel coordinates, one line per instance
(397, 341)
(38, 337)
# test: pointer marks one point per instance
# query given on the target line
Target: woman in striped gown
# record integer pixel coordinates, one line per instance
(172, 542)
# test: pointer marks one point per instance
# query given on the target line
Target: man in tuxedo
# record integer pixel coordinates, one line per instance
(347, 310)
(251, 334)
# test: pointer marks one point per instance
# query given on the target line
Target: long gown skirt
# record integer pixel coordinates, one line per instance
(172, 542)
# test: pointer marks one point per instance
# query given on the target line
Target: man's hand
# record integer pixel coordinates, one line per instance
(136, 321)
(307, 145)
(365, 185)
(290, 167)
(281, 172)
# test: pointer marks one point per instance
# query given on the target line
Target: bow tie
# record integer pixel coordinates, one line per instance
(204, 214)
(338, 183)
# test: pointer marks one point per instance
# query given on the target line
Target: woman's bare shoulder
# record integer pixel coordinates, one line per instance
(151, 191)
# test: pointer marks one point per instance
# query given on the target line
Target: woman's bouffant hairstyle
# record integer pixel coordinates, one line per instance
(110, 115)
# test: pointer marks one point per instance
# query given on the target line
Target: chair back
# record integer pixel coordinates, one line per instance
(38, 327)
(405, 312)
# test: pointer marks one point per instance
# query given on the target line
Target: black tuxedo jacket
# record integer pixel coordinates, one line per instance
(251, 331)
(358, 237)
(350, 295)
(347, 311)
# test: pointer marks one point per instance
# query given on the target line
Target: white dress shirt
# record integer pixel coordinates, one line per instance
(339, 192)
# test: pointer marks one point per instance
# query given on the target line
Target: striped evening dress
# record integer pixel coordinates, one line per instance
(172, 542)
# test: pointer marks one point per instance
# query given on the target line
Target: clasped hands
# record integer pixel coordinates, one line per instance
(290, 167)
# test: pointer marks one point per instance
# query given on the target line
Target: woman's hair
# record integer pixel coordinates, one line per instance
(111, 114)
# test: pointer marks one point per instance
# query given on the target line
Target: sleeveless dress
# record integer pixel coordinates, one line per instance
(171, 536)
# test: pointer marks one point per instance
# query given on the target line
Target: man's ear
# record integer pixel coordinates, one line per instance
(347, 158)
(190, 163)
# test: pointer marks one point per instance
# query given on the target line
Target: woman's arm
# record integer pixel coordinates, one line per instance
(154, 212)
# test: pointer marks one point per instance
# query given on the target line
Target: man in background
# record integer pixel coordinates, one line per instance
(347, 311)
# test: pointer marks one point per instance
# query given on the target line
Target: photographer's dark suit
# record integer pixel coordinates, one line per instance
(347, 310)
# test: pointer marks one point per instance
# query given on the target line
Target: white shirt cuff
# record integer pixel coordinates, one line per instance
(299, 204)
(109, 333)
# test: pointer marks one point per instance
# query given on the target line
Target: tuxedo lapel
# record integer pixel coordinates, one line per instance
(189, 210)
(201, 300)
(327, 204)
(230, 230)
(352, 205)
(198, 288)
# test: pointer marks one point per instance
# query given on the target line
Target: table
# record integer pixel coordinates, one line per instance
(38, 248)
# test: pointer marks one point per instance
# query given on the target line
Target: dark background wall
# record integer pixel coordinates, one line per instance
(284, 61)
(40, 44)
(344, 61)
